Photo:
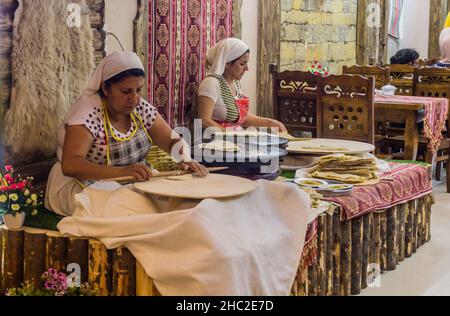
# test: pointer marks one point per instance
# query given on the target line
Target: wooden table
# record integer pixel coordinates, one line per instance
(402, 113)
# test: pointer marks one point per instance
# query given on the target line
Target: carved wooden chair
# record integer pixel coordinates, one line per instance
(435, 82)
(402, 77)
(381, 74)
(294, 101)
(345, 108)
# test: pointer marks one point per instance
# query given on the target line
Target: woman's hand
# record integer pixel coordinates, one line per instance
(196, 167)
(139, 171)
(279, 125)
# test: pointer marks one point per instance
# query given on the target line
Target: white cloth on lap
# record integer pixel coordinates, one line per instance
(248, 245)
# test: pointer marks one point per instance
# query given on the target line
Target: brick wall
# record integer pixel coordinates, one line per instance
(323, 30)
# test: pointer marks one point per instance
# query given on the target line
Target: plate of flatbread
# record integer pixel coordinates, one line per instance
(318, 146)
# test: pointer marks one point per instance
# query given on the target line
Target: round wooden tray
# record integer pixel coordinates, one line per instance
(347, 146)
(188, 187)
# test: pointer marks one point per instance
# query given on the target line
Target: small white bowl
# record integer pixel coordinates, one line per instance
(311, 183)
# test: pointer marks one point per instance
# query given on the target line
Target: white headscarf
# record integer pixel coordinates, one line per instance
(110, 66)
(224, 52)
(444, 44)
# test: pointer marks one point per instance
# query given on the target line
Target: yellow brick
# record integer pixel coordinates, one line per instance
(337, 6)
(317, 52)
(343, 19)
(287, 53)
(297, 4)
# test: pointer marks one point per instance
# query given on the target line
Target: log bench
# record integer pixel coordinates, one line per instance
(345, 250)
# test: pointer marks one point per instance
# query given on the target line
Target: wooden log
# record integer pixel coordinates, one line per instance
(337, 233)
(413, 205)
(77, 253)
(124, 273)
(35, 241)
(100, 268)
(421, 238)
(419, 223)
(391, 239)
(367, 229)
(144, 284)
(357, 245)
(1, 259)
(329, 256)
(12, 258)
(383, 238)
(401, 232)
(321, 254)
(6, 23)
(375, 240)
(346, 258)
(312, 279)
(409, 214)
(5, 42)
(56, 252)
(428, 218)
(302, 282)
(97, 20)
(96, 5)
(99, 39)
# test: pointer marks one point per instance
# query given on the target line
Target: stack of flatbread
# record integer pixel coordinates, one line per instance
(346, 169)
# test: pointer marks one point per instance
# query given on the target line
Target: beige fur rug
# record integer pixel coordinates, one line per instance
(52, 63)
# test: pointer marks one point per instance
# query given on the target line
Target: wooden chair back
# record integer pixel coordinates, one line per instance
(428, 62)
(294, 101)
(381, 74)
(433, 82)
(345, 108)
(402, 77)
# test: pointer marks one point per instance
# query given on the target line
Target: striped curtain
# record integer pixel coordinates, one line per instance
(180, 32)
(395, 18)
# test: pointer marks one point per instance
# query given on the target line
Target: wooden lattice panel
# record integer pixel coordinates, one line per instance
(381, 74)
(345, 108)
(402, 77)
(295, 94)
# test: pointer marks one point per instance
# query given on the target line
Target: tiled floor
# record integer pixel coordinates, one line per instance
(427, 272)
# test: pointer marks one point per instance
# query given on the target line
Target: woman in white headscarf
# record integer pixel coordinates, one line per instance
(221, 103)
(108, 133)
(444, 44)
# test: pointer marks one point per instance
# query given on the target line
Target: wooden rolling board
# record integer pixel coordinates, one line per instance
(188, 187)
(322, 146)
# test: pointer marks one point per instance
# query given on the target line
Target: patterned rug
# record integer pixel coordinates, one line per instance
(406, 182)
(180, 32)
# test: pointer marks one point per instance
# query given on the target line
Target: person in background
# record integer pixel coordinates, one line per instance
(447, 21)
(406, 56)
(444, 45)
(221, 103)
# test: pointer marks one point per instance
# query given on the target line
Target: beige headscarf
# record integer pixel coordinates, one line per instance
(224, 52)
(444, 44)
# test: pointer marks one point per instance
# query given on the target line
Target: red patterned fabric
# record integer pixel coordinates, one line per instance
(309, 251)
(410, 182)
(180, 32)
(436, 110)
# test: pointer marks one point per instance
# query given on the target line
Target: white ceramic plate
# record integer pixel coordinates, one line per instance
(341, 187)
(329, 146)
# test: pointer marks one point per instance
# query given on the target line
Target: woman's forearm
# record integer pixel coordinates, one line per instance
(81, 169)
